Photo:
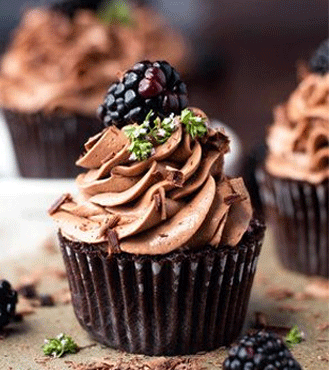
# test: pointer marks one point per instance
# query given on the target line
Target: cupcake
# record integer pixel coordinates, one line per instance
(56, 72)
(160, 246)
(294, 178)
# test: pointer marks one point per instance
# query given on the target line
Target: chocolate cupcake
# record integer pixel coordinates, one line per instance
(160, 246)
(56, 72)
(294, 178)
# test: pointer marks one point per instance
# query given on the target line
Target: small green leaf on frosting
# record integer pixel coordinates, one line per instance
(140, 150)
(294, 336)
(164, 129)
(116, 11)
(156, 131)
(59, 346)
(195, 125)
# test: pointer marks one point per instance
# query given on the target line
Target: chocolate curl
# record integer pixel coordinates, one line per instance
(160, 201)
(113, 242)
(219, 140)
(232, 199)
(55, 207)
(175, 176)
(239, 188)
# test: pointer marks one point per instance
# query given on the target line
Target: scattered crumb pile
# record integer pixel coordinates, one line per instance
(137, 364)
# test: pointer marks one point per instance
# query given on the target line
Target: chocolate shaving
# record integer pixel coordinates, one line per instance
(27, 290)
(113, 242)
(50, 246)
(63, 199)
(323, 326)
(175, 176)
(291, 308)
(318, 289)
(262, 323)
(157, 198)
(231, 199)
(62, 296)
(302, 296)
(279, 294)
(137, 364)
(110, 223)
(260, 320)
(42, 360)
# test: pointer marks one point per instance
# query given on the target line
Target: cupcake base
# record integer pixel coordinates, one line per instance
(298, 213)
(180, 303)
(48, 146)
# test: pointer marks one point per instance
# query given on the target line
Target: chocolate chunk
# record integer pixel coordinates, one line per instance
(54, 208)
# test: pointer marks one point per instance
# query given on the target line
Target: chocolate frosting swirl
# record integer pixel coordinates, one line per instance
(58, 64)
(177, 198)
(298, 141)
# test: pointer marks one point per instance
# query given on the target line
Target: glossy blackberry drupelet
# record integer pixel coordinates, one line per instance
(147, 86)
(261, 351)
(319, 62)
(8, 300)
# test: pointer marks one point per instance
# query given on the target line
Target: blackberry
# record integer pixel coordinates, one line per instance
(146, 86)
(261, 351)
(8, 300)
(319, 62)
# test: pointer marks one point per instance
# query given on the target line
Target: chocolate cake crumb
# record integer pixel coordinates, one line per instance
(137, 364)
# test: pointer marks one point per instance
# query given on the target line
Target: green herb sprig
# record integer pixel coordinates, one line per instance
(194, 125)
(294, 336)
(59, 346)
(116, 11)
(156, 131)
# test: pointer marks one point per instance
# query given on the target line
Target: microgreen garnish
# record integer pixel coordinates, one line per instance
(294, 336)
(143, 136)
(195, 125)
(156, 131)
(140, 150)
(116, 11)
(59, 346)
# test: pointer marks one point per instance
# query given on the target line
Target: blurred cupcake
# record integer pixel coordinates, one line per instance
(160, 246)
(56, 72)
(294, 179)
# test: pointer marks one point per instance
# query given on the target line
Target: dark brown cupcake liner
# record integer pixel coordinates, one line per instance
(48, 146)
(180, 303)
(298, 213)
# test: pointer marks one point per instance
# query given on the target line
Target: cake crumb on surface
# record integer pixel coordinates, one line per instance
(137, 364)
